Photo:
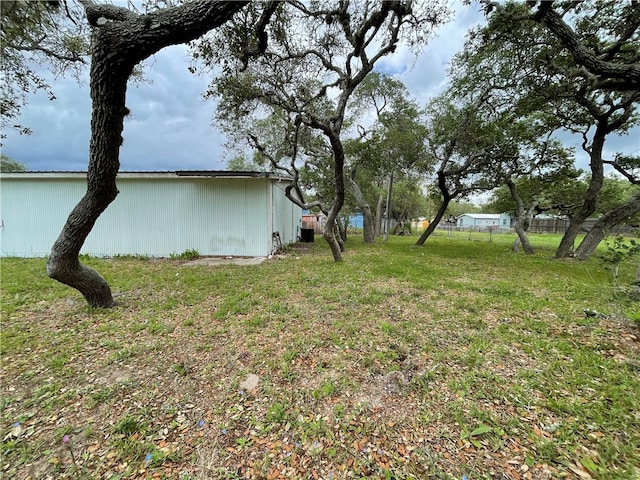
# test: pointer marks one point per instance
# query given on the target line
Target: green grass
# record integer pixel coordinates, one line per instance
(456, 358)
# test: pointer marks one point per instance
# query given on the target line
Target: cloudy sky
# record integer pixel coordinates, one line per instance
(170, 123)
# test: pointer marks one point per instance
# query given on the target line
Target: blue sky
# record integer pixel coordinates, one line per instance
(169, 127)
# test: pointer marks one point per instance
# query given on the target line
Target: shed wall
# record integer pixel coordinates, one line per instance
(287, 216)
(155, 217)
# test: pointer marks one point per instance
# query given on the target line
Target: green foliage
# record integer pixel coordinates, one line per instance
(240, 164)
(558, 192)
(189, 254)
(459, 207)
(7, 164)
(40, 32)
(615, 191)
(618, 251)
(127, 425)
(408, 201)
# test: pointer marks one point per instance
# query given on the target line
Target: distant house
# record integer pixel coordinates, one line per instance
(484, 220)
(217, 213)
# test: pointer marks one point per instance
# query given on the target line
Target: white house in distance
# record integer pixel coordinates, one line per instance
(217, 213)
(484, 220)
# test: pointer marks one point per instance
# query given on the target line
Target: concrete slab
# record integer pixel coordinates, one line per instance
(213, 261)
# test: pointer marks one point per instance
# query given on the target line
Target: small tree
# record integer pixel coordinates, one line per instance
(466, 147)
(618, 251)
(392, 149)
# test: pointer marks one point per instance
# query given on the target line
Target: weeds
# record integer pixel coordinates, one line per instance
(189, 254)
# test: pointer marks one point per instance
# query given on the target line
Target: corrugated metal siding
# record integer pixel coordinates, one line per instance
(213, 216)
(287, 217)
(33, 213)
(150, 216)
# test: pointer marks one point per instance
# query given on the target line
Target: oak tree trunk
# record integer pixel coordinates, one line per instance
(367, 216)
(329, 233)
(108, 87)
(523, 220)
(446, 199)
(604, 224)
(378, 225)
(565, 249)
(121, 40)
(433, 224)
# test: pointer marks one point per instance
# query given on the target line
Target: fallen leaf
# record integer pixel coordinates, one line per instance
(581, 472)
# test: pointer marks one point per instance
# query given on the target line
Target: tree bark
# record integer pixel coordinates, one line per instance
(338, 201)
(378, 226)
(387, 215)
(108, 88)
(367, 217)
(604, 224)
(121, 40)
(523, 220)
(433, 224)
(565, 249)
(446, 199)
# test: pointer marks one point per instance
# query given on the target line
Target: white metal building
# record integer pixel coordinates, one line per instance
(484, 220)
(156, 214)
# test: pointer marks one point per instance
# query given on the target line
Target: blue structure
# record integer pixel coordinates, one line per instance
(356, 220)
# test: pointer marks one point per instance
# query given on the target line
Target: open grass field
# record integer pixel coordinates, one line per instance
(455, 360)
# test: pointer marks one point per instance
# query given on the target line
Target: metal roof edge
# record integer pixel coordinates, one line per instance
(148, 174)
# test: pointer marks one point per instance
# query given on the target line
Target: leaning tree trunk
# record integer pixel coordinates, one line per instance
(121, 40)
(604, 224)
(367, 216)
(329, 233)
(567, 243)
(523, 220)
(108, 90)
(446, 199)
(523, 239)
(433, 224)
(377, 228)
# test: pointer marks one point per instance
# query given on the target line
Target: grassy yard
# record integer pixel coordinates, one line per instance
(453, 360)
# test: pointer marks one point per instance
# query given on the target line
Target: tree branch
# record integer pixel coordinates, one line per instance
(97, 14)
(47, 51)
(583, 55)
